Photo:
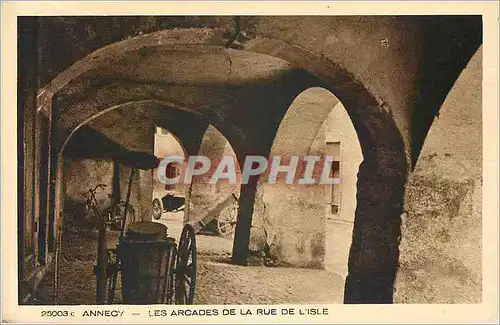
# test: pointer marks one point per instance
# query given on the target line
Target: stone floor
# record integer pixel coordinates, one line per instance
(218, 282)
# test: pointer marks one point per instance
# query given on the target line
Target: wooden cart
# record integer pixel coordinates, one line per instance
(221, 219)
(152, 268)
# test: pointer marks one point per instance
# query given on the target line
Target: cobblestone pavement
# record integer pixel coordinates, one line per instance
(221, 283)
(218, 282)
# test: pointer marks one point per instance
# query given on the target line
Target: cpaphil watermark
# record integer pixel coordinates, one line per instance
(304, 170)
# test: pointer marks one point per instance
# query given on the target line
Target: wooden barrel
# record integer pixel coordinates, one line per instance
(146, 256)
(146, 231)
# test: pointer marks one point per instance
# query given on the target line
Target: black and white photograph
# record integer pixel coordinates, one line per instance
(245, 159)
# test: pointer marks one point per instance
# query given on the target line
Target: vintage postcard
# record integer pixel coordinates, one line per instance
(250, 162)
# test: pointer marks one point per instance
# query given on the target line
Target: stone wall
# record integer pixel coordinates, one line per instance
(440, 259)
(293, 215)
(339, 128)
(26, 111)
(85, 174)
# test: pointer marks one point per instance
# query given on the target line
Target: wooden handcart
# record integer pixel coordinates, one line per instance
(153, 269)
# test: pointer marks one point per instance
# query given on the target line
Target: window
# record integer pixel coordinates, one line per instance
(334, 198)
(335, 202)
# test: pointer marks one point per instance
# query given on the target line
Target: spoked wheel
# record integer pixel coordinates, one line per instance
(185, 274)
(157, 209)
(106, 276)
(226, 222)
(111, 276)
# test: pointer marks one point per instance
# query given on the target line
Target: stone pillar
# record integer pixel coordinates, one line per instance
(374, 253)
(145, 190)
(244, 224)
(258, 247)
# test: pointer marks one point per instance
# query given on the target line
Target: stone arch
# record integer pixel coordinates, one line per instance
(204, 197)
(381, 179)
(195, 136)
(293, 219)
(159, 113)
(89, 139)
(298, 211)
(290, 69)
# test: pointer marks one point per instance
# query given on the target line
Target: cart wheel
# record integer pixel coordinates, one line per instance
(185, 275)
(109, 271)
(111, 277)
(157, 209)
(226, 222)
